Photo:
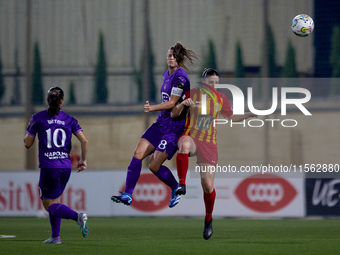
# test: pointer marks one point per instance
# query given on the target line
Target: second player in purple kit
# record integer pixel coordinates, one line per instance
(160, 139)
(55, 129)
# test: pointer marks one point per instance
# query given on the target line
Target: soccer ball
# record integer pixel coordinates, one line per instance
(302, 25)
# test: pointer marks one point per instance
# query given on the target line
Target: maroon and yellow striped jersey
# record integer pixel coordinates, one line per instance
(201, 126)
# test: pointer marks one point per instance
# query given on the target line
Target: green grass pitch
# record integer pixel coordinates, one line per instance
(166, 235)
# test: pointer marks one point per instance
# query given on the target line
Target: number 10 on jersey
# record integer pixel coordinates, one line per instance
(54, 138)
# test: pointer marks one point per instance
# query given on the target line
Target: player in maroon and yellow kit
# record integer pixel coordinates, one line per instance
(199, 138)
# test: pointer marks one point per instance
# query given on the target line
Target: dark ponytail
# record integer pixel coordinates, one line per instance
(181, 54)
(55, 95)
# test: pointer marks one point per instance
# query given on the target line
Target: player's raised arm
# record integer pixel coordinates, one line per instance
(163, 106)
(176, 111)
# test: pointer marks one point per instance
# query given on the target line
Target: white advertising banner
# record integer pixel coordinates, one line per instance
(90, 192)
(260, 195)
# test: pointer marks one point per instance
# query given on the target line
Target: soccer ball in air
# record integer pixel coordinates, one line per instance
(302, 25)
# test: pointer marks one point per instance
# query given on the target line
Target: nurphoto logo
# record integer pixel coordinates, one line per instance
(238, 105)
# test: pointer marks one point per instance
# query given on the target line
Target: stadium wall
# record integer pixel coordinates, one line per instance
(113, 136)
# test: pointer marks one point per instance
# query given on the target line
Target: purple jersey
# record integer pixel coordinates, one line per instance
(175, 84)
(54, 134)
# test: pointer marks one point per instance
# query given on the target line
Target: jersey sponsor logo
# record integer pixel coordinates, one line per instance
(265, 193)
(56, 155)
(204, 122)
(150, 194)
(165, 97)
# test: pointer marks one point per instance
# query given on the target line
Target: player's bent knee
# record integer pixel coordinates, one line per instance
(184, 147)
(138, 154)
(46, 207)
(46, 204)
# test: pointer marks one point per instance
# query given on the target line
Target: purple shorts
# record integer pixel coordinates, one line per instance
(53, 182)
(164, 138)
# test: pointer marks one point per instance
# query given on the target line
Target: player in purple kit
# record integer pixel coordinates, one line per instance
(161, 137)
(55, 129)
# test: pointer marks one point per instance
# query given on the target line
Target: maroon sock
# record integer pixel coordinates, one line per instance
(209, 200)
(182, 162)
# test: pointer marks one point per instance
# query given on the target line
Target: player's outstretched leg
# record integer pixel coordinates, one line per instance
(64, 212)
(82, 222)
(182, 162)
(132, 177)
(209, 200)
(124, 198)
(165, 175)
